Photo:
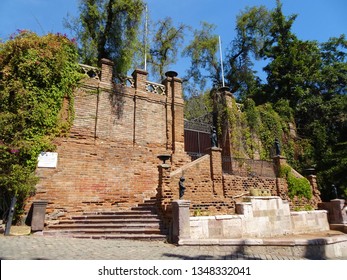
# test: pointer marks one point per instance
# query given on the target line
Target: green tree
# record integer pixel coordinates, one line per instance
(203, 53)
(197, 105)
(252, 27)
(294, 64)
(108, 29)
(165, 45)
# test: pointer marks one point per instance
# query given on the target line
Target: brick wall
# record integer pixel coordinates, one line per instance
(211, 192)
(109, 160)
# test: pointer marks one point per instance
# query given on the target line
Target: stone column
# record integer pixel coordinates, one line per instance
(180, 220)
(164, 193)
(106, 71)
(140, 77)
(336, 211)
(279, 161)
(217, 171)
(314, 186)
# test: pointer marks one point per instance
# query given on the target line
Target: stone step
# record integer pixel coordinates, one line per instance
(111, 221)
(147, 237)
(104, 226)
(129, 212)
(98, 231)
(140, 222)
(115, 216)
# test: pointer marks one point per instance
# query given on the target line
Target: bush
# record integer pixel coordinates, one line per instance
(299, 187)
(36, 75)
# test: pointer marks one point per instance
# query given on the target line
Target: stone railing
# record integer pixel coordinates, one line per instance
(155, 88)
(128, 81)
(90, 71)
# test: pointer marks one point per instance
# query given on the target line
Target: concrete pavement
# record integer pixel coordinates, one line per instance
(34, 247)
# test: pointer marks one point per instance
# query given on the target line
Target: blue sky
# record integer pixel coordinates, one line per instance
(317, 19)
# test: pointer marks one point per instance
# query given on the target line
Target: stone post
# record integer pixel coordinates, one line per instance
(38, 215)
(217, 171)
(180, 220)
(279, 161)
(314, 186)
(164, 180)
(106, 71)
(336, 211)
(225, 141)
(140, 77)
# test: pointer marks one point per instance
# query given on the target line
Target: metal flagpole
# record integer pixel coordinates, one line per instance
(221, 60)
(146, 34)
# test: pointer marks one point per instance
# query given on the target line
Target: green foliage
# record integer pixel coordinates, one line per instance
(299, 187)
(335, 163)
(36, 75)
(165, 45)
(197, 105)
(108, 29)
(203, 52)
(306, 207)
(252, 28)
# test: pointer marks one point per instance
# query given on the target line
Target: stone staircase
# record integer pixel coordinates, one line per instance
(141, 223)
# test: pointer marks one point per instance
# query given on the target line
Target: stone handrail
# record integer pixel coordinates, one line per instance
(155, 88)
(129, 81)
(91, 71)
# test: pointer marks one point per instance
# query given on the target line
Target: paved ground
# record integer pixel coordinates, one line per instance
(57, 248)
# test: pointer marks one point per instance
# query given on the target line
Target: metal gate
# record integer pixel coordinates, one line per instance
(197, 136)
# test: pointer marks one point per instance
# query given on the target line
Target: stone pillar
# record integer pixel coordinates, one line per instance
(217, 171)
(38, 215)
(175, 112)
(140, 77)
(336, 211)
(315, 191)
(279, 161)
(180, 220)
(106, 71)
(225, 141)
(164, 192)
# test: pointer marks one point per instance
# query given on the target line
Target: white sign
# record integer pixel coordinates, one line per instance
(47, 160)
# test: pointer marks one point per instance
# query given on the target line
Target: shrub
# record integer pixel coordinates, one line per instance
(36, 75)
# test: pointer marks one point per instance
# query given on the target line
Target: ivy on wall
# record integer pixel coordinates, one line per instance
(36, 75)
(299, 187)
(254, 129)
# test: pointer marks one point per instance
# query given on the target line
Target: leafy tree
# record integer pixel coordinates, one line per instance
(335, 171)
(197, 105)
(203, 52)
(36, 75)
(252, 27)
(165, 45)
(305, 88)
(107, 29)
(334, 66)
(294, 64)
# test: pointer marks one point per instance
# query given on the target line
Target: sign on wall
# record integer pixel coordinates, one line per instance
(47, 160)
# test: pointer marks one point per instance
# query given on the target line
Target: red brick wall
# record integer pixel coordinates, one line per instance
(109, 161)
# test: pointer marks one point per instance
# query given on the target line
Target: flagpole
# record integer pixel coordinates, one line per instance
(146, 33)
(221, 60)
